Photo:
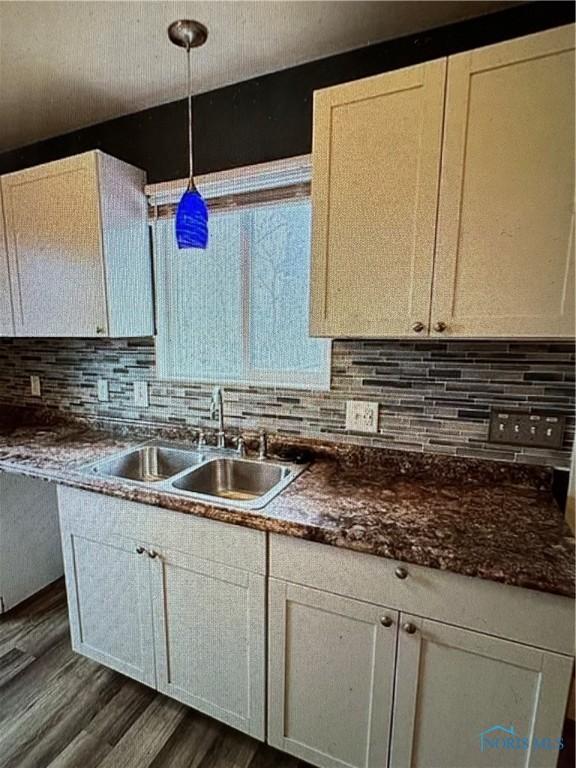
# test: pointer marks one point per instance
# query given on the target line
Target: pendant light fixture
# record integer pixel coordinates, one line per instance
(192, 213)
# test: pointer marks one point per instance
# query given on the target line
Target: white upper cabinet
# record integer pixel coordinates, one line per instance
(486, 252)
(78, 248)
(505, 253)
(376, 163)
(6, 318)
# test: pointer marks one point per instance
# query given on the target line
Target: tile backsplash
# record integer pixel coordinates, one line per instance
(435, 396)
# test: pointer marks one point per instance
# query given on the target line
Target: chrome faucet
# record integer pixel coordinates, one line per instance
(217, 411)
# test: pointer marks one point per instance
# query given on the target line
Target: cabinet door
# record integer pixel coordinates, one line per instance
(54, 248)
(6, 318)
(331, 668)
(457, 692)
(505, 250)
(375, 163)
(209, 622)
(109, 602)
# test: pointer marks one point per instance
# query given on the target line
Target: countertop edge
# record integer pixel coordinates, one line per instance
(258, 521)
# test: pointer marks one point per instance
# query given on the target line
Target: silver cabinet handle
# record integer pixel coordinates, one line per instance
(418, 327)
(152, 553)
(409, 628)
(386, 621)
(140, 550)
(440, 327)
(400, 573)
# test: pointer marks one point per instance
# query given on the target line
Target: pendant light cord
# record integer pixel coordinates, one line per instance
(190, 159)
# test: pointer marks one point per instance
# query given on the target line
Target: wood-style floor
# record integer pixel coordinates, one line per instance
(61, 710)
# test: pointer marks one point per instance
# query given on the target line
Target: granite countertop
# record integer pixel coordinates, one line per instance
(483, 519)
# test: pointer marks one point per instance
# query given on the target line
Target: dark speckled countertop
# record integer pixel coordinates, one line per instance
(493, 521)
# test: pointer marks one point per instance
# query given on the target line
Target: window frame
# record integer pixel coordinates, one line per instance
(226, 191)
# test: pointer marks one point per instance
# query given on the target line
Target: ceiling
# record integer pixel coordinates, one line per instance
(65, 65)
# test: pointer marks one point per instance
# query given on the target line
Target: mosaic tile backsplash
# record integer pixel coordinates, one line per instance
(435, 396)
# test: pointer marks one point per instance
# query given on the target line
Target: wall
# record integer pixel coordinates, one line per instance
(270, 117)
(435, 396)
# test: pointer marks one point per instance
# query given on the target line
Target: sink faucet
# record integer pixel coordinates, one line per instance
(217, 411)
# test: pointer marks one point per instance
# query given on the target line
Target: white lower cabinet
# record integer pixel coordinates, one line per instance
(353, 684)
(30, 550)
(340, 679)
(462, 696)
(331, 677)
(209, 623)
(371, 663)
(142, 602)
(109, 603)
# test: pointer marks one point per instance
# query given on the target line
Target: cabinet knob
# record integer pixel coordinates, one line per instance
(140, 550)
(409, 628)
(440, 327)
(386, 621)
(418, 327)
(152, 554)
(400, 573)
(99, 329)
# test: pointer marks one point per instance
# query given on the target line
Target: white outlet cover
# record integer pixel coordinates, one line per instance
(103, 391)
(361, 416)
(35, 389)
(141, 394)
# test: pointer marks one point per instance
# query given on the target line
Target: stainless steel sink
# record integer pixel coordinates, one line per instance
(211, 475)
(149, 464)
(233, 479)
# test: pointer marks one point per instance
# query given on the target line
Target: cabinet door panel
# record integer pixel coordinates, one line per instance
(209, 622)
(376, 160)
(331, 666)
(6, 317)
(452, 685)
(54, 248)
(505, 249)
(109, 603)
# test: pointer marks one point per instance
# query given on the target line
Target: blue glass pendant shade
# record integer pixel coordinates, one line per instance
(192, 220)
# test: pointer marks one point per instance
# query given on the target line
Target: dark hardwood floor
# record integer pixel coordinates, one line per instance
(61, 710)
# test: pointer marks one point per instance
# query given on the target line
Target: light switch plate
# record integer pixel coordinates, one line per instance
(141, 394)
(103, 391)
(35, 389)
(361, 416)
(541, 430)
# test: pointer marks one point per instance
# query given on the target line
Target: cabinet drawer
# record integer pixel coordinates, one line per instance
(523, 615)
(94, 513)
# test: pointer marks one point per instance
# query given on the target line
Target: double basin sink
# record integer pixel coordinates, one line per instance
(209, 474)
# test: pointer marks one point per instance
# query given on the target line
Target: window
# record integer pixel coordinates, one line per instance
(238, 312)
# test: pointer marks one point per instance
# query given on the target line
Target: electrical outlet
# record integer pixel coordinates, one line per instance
(541, 430)
(141, 394)
(35, 389)
(103, 391)
(361, 416)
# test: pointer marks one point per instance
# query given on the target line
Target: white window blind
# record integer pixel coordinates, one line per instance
(238, 312)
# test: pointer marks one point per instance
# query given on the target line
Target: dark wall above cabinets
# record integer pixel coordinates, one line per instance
(270, 117)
